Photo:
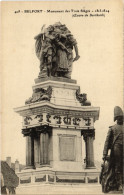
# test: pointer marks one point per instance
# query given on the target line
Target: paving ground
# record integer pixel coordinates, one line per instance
(61, 189)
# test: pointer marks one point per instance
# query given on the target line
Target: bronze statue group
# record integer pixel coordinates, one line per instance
(54, 48)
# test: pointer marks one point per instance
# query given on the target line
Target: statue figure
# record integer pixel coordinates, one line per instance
(82, 98)
(40, 94)
(112, 168)
(54, 48)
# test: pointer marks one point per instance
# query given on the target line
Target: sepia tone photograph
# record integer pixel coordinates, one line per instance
(62, 97)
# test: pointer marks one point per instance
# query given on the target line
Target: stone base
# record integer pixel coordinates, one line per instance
(60, 79)
(41, 176)
(115, 192)
(61, 189)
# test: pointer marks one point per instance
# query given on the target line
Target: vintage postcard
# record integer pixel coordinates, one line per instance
(61, 97)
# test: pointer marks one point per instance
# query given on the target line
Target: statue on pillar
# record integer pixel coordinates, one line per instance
(111, 177)
(54, 48)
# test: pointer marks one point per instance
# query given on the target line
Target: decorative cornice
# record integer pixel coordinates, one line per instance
(39, 107)
(36, 131)
(27, 132)
(88, 133)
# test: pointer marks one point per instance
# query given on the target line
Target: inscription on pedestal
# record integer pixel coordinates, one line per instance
(67, 148)
(58, 120)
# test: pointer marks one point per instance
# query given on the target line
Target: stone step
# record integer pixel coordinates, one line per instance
(61, 189)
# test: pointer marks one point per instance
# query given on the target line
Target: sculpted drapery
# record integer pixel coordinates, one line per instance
(54, 48)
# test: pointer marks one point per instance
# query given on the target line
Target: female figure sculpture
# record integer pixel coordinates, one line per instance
(54, 47)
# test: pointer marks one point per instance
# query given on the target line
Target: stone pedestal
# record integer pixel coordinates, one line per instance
(54, 120)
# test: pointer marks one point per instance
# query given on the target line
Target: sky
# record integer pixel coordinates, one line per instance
(98, 72)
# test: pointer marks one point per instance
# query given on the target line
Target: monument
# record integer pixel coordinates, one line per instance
(57, 117)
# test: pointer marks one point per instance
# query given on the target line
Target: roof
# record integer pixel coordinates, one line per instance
(10, 178)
